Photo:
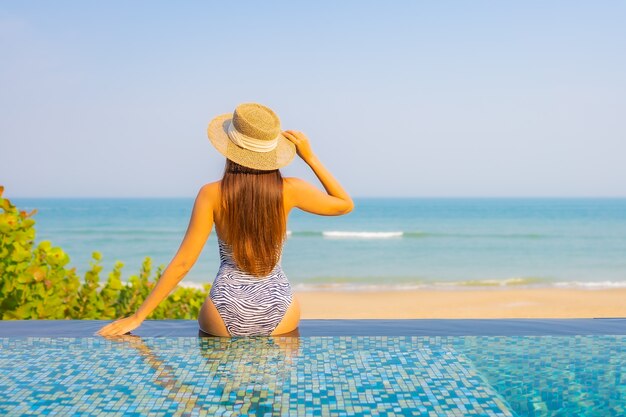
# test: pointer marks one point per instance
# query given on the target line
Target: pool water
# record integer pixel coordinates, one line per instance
(581, 375)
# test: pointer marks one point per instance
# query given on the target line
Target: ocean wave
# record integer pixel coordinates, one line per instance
(509, 283)
(592, 284)
(193, 285)
(349, 234)
(116, 231)
(339, 234)
(417, 282)
(354, 234)
(515, 281)
(361, 235)
(327, 234)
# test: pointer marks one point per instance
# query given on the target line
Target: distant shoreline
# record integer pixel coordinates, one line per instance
(477, 303)
(451, 286)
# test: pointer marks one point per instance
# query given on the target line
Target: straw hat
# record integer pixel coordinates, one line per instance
(251, 136)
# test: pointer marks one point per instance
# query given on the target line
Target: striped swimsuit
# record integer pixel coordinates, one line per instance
(249, 305)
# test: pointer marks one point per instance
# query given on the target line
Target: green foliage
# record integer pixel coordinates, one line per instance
(36, 284)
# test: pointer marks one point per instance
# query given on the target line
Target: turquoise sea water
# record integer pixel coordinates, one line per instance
(403, 243)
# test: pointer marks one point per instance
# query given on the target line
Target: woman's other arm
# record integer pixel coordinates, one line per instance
(305, 195)
(198, 231)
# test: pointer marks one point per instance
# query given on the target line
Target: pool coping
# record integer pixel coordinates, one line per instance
(339, 327)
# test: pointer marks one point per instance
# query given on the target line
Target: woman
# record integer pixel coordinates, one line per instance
(251, 296)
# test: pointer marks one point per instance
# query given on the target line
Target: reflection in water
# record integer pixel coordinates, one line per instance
(241, 372)
(337, 375)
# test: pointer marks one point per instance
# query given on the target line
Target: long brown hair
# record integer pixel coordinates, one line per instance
(253, 213)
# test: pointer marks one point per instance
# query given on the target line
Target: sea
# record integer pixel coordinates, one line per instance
(383, 244)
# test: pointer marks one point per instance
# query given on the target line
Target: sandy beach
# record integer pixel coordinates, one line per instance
(470, 303)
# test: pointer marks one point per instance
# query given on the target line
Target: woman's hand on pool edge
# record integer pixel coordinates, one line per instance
(120, 326)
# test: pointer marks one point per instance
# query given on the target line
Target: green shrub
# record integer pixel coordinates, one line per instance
(35, 282)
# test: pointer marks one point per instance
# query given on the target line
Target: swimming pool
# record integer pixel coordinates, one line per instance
(546, 374)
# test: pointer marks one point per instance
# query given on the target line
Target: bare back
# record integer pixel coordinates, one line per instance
(296, 193)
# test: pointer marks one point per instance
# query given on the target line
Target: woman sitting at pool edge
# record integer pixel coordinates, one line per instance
(250, 205)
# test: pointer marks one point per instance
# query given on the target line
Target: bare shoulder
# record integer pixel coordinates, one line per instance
(209, 192)
(288, 182)
(295, 189)
(291, 187)
(293, 183)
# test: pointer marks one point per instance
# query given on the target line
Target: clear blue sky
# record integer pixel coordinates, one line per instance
(403, 98)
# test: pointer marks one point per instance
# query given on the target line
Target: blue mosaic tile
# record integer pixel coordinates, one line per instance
(313, 376)
(553, 375)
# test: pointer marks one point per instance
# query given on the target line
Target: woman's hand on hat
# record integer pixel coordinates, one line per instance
(303, 147)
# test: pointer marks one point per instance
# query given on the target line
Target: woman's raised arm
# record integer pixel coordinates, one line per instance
(307, 197)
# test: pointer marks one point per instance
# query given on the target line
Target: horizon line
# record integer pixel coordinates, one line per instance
(354, 197)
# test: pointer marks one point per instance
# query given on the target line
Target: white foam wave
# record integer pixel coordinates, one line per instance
(194, 285)
(461, 286)
(592, 284)
(495, 282)
(340, 286)
(361, 235)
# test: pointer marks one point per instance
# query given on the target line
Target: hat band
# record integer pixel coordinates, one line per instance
(247, 142)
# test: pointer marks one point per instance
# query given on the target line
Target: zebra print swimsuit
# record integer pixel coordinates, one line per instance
(249, 305)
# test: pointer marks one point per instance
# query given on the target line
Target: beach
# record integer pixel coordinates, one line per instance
(464, 303)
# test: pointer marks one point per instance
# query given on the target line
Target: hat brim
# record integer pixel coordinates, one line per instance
(278, 157)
